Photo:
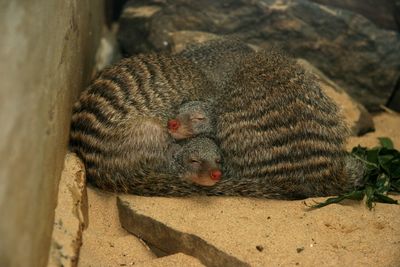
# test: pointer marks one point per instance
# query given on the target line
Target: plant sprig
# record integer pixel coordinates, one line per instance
(382, 175)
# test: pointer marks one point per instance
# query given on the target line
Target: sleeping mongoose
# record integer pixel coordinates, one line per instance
(218, 59)
(278, 131)
(119, 124)
(197, 160)
(279, 134)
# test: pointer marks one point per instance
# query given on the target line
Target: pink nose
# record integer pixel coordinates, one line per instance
(216, 175)
(173, 125)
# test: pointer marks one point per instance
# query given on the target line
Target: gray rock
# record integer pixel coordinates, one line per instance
(394, 100)
(180, 40)
(384, 13)
(350, 49)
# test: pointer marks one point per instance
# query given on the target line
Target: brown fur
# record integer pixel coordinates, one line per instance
(279, 134)
(281, 137)
(119, 123)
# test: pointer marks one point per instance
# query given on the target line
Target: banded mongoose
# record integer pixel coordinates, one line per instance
(218, 59)
(113, 135)
(197, 160)
(119, 124)
(280, 135)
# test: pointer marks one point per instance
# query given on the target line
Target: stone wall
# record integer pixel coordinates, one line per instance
(46, 57)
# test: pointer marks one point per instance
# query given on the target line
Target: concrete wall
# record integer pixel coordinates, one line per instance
(46, 55)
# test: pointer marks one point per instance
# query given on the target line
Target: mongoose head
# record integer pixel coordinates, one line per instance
(199, 161)
(193, 118)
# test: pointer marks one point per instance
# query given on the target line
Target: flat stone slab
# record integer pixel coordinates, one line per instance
(226, 231)
(174, 260)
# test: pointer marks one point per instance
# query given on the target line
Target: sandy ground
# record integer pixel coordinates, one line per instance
(287, 231)
(104, 242)
(336, 235)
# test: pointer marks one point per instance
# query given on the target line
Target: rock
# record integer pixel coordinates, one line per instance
(47, 54)
(71, 214)
(356, 115)
(394, 99)
(347, 47)
(213, 228)
(108, 51)
(387, 124)
(134, 28)
(174, 260)
(383, 13)
(181, 39)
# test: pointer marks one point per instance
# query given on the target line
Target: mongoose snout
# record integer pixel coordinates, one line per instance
(201, 161)
(203, 171)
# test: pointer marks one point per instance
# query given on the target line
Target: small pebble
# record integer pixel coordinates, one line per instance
(299, 249)
(260, 248)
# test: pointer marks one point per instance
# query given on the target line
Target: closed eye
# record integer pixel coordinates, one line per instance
(194, 161)
(198, 119)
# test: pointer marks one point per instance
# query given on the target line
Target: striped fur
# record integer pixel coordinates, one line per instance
(119, 123)
(279, 134)
(218, 59)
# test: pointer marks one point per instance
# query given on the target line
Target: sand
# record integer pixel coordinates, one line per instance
(347, 235)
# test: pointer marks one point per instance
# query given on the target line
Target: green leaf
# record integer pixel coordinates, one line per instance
(355, 195)
(369, 192)
(382, 183)
(395, 168)
(386, 142)
(385, 162)
(385, 199)
(372, 156)
(382, 175)
(395, 186)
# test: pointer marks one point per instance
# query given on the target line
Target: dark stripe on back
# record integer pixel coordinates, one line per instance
(85, 126)
(170, 76)
(305, 135)
(143, 83)
(125, 86)
(94, 109)
(84, 147)
(159, 84)
(110, 97)
(295, 154)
